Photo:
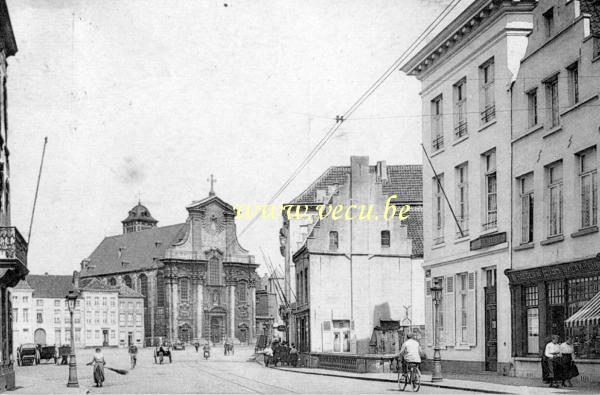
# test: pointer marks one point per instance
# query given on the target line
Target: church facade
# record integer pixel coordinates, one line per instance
(198, 282)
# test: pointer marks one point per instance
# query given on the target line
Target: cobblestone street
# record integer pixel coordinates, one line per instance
(190, 373)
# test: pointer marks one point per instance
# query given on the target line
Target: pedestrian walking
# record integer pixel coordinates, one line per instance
(294, 355)
(268, 355)
(196, 346)
(567, 366)
(97, 364)
(133, 350)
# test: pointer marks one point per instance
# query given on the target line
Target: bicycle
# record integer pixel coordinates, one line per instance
(412, 376)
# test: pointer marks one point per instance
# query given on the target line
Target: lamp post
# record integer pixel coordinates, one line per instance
(436, 292)
(71, 301)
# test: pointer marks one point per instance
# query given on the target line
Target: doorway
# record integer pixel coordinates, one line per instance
(39, 337)
(491, 323)
(216, 329)
(104, 337)
(129, 338)
(185, 332)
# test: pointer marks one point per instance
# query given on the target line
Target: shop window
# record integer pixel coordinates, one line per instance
(533, 326)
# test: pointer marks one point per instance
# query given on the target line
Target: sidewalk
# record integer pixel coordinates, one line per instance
(491, 384)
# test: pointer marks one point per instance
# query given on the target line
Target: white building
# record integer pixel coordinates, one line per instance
(40, 313)
(466, 72)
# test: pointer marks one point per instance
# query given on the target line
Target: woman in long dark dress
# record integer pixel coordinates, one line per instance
(568, 367)
(98, 363)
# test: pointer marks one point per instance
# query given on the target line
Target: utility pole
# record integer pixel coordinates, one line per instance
(36, 190)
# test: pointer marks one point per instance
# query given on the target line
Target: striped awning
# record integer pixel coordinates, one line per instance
(589, 314)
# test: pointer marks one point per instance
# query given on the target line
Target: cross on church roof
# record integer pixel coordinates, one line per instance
(212, 181)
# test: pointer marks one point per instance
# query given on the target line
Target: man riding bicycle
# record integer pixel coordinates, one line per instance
(410, 352)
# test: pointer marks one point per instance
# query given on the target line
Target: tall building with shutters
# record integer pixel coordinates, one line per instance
(466, 71)
(555, 274)
(197, 281)
(358, 273)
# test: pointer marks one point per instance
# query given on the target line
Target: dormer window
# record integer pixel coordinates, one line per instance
(549, 22)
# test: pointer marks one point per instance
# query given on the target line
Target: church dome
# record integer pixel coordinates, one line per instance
(140, 213)
(139, 218)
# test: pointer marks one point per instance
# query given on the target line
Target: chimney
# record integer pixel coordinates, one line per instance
(76, 280)
(382, 171)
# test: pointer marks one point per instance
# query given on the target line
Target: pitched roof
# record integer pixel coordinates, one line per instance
(126, 292)
(50, 286)
(132, 251)
(93, 284)
(415, 230)
(405, 181)
(22, 285)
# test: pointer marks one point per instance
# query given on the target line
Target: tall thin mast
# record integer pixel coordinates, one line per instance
(37, 188)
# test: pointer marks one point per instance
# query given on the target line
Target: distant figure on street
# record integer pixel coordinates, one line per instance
(206, 350)
(98, 363)
(294, 355)
(196, 346)
(268, 355)
(133, 350)
(410, 352)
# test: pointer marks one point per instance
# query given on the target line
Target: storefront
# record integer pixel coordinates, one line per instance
(561, 299)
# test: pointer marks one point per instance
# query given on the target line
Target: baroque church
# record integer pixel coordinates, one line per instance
(197, 281)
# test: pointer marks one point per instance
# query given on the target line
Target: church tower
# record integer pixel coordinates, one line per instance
(139, 218)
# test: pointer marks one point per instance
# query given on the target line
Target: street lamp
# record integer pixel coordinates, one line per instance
(436, 292)
(71, 301)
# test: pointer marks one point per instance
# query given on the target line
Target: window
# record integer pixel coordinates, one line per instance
(462, 308)
(526, 192)
(437, 124)
(15, 315)
(97, 333)
(57, 336)
(113, 302)
(532, 109)
(39, 317)
(57, 316)
(491, 202)
(104, 301)
(88, 334)
(553, 116)
(213, 271)
(130, 305)
(138, 305)
(555, 209)
(130, 319)
(462, 200)
(241, 291)
(113, 334)
(122, 305)
(25, 299)
(581, 290)
(96, 317)
(556, 293)
(460, 109)
(15, 299)
(487, 98)
(77, 335)
(113, 318)
(96, 301)
(88, 317)
(25, 315)
(67, 335)
(88, 301)
(104, 317)
(549, 22)
(385, 238)
(127, 281)
(573, 71)
(56, 302)
(333, 240)
(138, 319)
(122, 319)
(184, 289)
(588, 181)
(77, 318)
(160, 289)
(438, 210)
(533, 327)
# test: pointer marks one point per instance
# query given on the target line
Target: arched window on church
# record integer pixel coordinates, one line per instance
(160, 289)
(242, 289)
(127, 281)
(112, 281)
(144, 291)
(184, 289)
(214, 273)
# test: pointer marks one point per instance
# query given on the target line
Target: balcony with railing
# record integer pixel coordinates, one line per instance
(461, 129)
(489, 113)
(437, 143)
(491, 223)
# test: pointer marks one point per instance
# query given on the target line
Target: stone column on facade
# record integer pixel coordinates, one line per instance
(175, 307)
(252, 325)
(229, 281)
(152, 294)
(199, 306)
(169, 294)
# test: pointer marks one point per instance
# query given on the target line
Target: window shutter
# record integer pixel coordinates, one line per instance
(472, 309)
(428, 314)
(450, 312)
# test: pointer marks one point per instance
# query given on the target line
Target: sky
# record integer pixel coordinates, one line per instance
(140, 100)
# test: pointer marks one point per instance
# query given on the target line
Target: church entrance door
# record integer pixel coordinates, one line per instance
(216, 329)
(185, 332)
